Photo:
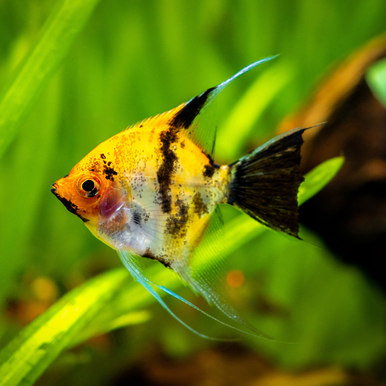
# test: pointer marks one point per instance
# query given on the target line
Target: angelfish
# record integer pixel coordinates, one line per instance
(152, 190)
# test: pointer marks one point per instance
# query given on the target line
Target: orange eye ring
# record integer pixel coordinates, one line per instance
(88, 186)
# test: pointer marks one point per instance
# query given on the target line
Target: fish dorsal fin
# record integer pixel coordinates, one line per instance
(189, 115)
(159, 119)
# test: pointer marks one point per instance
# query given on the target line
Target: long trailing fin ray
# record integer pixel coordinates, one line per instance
(131, 265)
(265, 182)
(168, 291)
(191, 118)
(131, 262)
(213, 295)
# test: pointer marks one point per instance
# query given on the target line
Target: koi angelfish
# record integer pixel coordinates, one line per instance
(152, 190)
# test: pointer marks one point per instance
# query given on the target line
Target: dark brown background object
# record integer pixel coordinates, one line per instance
(350, 213)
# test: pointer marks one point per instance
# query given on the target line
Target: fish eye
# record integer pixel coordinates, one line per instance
(88, 186)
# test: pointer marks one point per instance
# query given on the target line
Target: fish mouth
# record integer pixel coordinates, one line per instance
(70, 206)
(54, 189)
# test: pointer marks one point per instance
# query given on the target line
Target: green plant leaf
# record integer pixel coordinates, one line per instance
(376, 76)
(54, 42)
(110, 324)
(29, 354)
(318, 178)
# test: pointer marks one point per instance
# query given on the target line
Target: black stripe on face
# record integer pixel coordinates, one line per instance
(70, 206)
(185, 117)
(167, 168)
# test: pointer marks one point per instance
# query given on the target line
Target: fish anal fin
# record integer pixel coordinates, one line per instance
(133, 264)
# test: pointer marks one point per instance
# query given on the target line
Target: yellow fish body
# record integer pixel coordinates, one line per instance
(151, 190)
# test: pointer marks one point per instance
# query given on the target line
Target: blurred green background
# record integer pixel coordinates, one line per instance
(135, 59)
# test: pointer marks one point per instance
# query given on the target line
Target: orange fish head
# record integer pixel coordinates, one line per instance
(82, 193)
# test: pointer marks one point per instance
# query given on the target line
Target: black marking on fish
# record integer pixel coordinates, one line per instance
(185, 117)
(177, 225)
(210, 168)
(208, 171)
(146, 216)
(200, 208)
(137, 218)
(109, 172)
(70, 206)
(148, 254)
(103, 156)
(167, 168)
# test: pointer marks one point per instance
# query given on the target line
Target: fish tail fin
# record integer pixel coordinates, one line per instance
(265, 182)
